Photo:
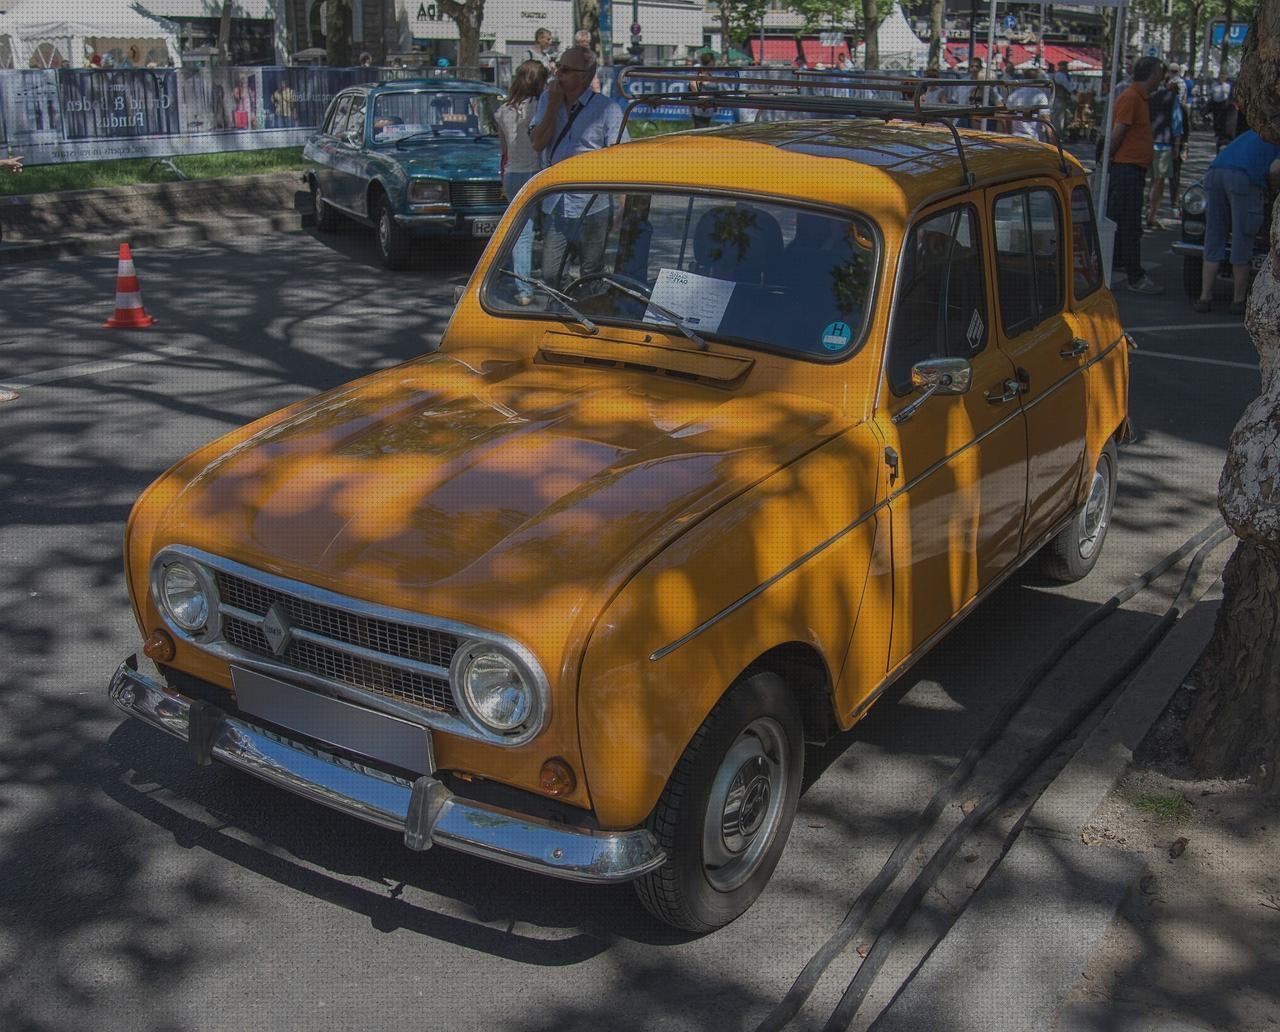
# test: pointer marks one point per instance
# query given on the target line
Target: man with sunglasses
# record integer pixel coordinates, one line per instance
(572, 118)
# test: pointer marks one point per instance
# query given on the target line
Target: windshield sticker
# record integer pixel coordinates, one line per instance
(699, 301)
(975, 332)
(836, 336)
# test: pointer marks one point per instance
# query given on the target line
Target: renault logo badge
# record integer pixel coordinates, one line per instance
(277, 630)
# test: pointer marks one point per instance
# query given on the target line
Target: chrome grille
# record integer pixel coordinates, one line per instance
(476, 195)
(392, 639)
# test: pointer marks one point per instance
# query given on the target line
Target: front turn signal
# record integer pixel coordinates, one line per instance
(158, 647)
(556, 778)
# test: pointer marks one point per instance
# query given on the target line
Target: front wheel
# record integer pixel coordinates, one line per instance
(727, 810)
(393, 241)
(1191, 270)
(1072, 554)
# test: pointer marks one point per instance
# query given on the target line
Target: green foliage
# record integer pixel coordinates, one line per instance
(88, 175)
(742, 18)
(1163, 808)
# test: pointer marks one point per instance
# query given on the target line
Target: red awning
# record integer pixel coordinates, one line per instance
(1079, 58)
(783, 51)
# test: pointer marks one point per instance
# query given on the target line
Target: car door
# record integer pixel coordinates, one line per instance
(1029, 246)
(327, 170)
(348, 161)
(957, 462)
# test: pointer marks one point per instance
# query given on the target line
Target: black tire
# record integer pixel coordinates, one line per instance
(1072, 554)
(1191, 270)
(393, 242)
(326, 216)
(753, 741)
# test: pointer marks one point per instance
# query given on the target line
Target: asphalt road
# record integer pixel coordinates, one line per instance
(143, 894)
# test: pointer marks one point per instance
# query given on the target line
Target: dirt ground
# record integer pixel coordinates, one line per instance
(1197, 945)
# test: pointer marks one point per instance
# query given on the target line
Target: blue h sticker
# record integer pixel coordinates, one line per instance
(836, 336)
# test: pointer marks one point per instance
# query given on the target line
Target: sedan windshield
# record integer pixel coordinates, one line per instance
(761, 273)
(397, 116)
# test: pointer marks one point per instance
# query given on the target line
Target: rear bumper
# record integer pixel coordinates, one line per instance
(425, 810)
(1187, 249)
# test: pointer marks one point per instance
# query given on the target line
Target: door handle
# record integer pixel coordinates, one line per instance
(1010, 388)
(1078, 346)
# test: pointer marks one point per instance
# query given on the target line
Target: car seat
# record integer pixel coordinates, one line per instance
(739, 242)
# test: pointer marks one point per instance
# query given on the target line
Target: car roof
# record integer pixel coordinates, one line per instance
(895, 165)
(436, 85)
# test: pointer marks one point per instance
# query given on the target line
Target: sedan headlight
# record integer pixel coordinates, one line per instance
(428, 191)
(496, 690)
(1194, 201)
(183, 596)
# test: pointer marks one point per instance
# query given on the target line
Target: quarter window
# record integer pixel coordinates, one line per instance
(338, 116)
(1028, 229)
(1086, 254)
(941, 310)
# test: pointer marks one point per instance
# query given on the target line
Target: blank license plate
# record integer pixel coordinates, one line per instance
(483, 227)
(376, 735)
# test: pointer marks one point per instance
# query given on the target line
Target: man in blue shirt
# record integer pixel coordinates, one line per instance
(572, 119)
(1237, 185)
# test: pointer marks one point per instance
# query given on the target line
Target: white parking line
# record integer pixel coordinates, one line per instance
(71, 372)
(1194, 358)
(1192, 327)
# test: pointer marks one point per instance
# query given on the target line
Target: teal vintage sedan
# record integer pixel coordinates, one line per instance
(412, 158)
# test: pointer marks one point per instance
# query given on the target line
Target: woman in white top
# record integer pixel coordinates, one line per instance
(519, 159)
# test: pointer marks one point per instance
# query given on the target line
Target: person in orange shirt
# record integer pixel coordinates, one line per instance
(1131, 154)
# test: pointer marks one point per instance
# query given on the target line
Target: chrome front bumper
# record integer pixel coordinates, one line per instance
(1188, 249)
(425, 810)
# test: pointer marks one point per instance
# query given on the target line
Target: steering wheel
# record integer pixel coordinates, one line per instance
(617, 277)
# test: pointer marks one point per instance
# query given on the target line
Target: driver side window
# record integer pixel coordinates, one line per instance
(941, 308)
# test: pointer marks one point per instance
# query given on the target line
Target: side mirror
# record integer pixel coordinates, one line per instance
(936, 376)
(942, 376)
(458, 291)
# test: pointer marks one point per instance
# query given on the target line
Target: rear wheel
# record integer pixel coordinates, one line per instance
(393, 242)
(1072, 554)
(1191, 269)
(326, 216)
(727, 810)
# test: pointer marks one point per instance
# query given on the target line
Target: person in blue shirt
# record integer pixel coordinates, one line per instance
(1237, 185)
(572, 118)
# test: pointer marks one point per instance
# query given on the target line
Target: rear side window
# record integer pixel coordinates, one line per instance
(1028, 230)
(338, 116)
(941, 309)
(1086, 254)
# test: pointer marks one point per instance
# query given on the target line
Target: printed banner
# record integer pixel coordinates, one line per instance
(100, 104)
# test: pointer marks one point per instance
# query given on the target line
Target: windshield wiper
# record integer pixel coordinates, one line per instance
(430, 134)
(564, 299)
(662, 310)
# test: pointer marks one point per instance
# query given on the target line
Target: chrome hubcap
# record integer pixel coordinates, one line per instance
(1093, 518)
(384, 229)
(319, 202)
(745, 805)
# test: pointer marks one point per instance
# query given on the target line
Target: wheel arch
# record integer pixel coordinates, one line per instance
(804, 670)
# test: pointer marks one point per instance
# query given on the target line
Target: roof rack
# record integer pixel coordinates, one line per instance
(835, 93)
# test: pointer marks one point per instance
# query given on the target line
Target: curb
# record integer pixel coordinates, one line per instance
(225, 227)
(1019, 946)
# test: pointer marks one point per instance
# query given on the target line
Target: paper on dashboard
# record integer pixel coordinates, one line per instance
(700, 301)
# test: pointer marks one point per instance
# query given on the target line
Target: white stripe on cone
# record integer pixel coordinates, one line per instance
(129, 300)
(126, 267)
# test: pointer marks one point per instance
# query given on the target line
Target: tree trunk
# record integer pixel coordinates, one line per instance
(1233, 729)
(936, 9)
(1226, 38)
(724, 35)
(870, 24)
(337, 34)
(468, 16)
(224, 34)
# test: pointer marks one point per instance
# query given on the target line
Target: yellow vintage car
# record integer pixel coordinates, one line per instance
(726, 431)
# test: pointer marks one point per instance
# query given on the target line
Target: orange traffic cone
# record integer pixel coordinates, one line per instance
(129, 311)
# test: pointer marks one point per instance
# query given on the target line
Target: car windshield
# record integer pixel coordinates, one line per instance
(397, 116)
(762, 273)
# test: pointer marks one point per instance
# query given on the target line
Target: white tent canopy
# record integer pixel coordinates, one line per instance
(119, 28)
(900, 47)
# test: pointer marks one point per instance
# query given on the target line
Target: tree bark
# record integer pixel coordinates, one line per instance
(871, 20)
(337, 33)
(1226, 38)
(936, 9)
(467, 16)
(1233, 729)
(224, 34)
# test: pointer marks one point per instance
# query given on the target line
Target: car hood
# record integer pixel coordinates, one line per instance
(508, 494)
(452, 158)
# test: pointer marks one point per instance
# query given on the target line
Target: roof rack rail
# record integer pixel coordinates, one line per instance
(833, 92)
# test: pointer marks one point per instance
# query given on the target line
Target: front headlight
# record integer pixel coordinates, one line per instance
(428, 191)
(183, 596)
(495, 690)
(1194, 201)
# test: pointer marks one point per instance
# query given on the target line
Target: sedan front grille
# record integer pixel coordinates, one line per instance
(476, 195)
(344, 646)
